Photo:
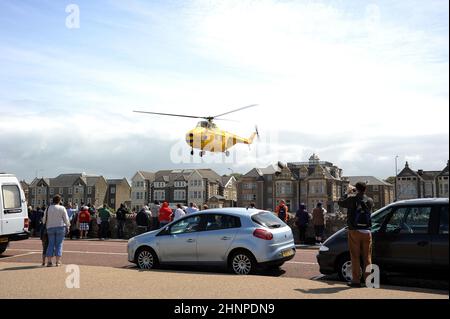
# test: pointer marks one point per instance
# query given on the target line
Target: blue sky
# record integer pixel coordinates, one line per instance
(357, 82)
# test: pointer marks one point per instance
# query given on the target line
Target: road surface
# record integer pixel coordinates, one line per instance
(112, 253)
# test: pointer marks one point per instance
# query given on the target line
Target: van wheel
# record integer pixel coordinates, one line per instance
(146, 259)
(242, 263)
(344, 268)
(3, 248)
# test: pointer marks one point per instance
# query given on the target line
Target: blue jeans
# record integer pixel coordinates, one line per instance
(55, 241)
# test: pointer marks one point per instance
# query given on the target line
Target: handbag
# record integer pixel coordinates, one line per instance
(44, 234)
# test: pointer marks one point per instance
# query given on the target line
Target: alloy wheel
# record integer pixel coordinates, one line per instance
(242, 265)
(346, 271)
(146, 260)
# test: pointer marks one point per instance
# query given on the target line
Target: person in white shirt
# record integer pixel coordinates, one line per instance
(179, 213)
(57, 223)
(191, 209)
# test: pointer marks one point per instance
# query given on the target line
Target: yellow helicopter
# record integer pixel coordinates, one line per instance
(207, 136)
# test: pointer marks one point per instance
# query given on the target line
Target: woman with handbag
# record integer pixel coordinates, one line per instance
(57, 224)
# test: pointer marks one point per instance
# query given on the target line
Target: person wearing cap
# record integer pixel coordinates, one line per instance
(83, 219)
(318, 219)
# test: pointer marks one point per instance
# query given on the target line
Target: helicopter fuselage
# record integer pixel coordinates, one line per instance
(214, 140)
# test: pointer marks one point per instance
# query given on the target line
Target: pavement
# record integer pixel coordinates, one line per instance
(27, 281)
(102, 262)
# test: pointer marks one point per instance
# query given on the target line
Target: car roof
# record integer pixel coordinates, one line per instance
(422, 201)
(237, 211)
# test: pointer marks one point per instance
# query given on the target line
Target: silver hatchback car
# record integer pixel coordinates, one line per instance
(238, 238)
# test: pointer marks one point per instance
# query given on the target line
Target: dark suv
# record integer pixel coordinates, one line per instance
(408, 236)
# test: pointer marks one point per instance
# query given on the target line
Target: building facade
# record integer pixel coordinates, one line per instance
(119, 192)
(26, 189)
(141, 189)
(74, 188)
(301, 182)
(380, 191)
(412, 184)
(181, 186)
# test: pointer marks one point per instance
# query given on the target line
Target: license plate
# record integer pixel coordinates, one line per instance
(3, 240)
(287, 253)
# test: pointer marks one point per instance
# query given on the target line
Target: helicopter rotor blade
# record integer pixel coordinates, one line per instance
(237, 110)
(228, 120)
(170, 114)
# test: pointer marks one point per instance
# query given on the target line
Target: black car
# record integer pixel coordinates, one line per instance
(408, 236)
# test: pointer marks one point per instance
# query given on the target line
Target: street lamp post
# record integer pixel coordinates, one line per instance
(396, 174)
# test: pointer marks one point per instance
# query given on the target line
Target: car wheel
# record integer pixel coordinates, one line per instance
(146, 259)
(3, 248)
(344, 269)
(242, 263)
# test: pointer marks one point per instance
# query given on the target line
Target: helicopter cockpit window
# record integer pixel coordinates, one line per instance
(202, 124)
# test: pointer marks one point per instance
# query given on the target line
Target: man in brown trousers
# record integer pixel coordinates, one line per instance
(359, 208)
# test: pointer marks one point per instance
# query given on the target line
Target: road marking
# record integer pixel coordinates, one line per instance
(301, 262)
(74, 252)
(86, 243)
(21, 255)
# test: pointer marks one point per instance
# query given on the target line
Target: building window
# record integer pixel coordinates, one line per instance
(284, 188)
(249, 197)
(70, 191)
(89, 190)
(159, 195)
(113, 201)
(375, 188)
(249, 185)
(179, 195)
(61, 190)
(52, 191)
(113, 190)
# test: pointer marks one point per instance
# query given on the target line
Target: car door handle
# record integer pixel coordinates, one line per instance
(422, 243)
(226, 238)
(190, 240)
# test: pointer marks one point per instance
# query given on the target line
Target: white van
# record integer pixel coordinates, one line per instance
(13, 211)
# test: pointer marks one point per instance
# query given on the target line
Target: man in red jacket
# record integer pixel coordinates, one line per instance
(165, 214)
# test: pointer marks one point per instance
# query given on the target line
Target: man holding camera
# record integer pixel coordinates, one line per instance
(359, 208)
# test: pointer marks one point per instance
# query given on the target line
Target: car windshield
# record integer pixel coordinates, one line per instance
(268, 219)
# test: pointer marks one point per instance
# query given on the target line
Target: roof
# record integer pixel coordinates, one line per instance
(38, 180)
(210, 175)
(406, 171)
(147, 175)
(117, 181)
(418, 201)
(444, 171)
(370, 180)
(237, 211)
(226, 179)
(429, 175)
(63, 180)
(92, 180)
(259, 172)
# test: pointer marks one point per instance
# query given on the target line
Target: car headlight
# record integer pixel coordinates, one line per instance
(323, 248)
